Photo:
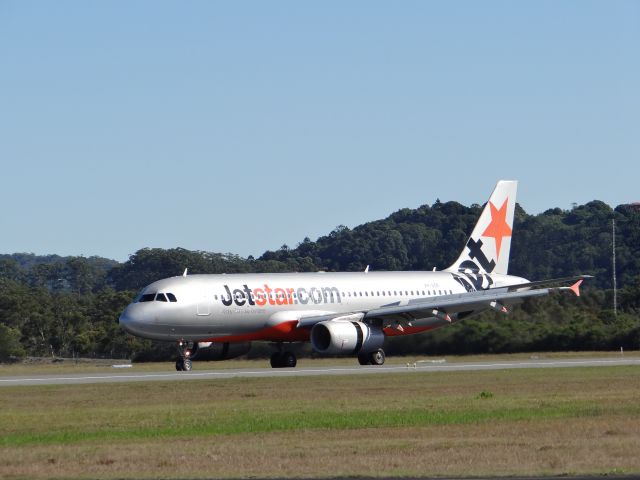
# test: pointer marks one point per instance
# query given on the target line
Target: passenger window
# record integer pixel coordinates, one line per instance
(148, 297)
(161, 298)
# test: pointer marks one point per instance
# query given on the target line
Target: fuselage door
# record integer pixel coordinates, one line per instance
(203, 307)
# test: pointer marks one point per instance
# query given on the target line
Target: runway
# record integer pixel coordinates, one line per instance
(418, 367)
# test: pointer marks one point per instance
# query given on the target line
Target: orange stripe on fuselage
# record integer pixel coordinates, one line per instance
(282, 332)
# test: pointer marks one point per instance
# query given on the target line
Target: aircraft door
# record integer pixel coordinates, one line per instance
(203, 307)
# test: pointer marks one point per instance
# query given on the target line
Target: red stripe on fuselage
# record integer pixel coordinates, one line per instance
(392, 332)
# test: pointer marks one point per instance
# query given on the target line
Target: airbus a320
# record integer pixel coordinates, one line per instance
(350, 313)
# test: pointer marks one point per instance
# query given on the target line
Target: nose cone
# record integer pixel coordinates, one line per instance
(133, 321)
(125, 320)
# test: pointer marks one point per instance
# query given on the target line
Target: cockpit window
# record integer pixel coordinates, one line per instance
(158, 297)
(148, 297)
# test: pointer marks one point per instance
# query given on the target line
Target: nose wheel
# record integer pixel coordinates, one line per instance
(185, 351)
(183, 365)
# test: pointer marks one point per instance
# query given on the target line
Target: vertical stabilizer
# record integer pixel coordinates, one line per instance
(487, 250)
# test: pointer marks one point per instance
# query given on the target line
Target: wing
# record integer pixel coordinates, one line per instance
(440, 309)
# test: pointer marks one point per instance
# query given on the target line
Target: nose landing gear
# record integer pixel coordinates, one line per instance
(185, 352)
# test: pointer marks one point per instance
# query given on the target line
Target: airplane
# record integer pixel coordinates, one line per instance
(217, 316)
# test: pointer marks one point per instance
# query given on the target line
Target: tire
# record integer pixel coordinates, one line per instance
(179, 365)
(276, 360)
(363, 359)
(288, 360)
(377, 357)
(187, 365)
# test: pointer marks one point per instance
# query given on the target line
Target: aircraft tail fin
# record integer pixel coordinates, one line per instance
(487, 249)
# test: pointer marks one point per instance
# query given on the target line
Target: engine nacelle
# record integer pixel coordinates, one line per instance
(345, 338)
(219, 351)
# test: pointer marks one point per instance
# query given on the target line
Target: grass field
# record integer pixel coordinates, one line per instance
(559, 421)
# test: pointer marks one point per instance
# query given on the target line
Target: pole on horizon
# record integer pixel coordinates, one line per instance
(615, 281)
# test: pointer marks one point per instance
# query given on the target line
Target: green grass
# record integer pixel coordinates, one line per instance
(304, 420)
(93, 413)
(542, 412)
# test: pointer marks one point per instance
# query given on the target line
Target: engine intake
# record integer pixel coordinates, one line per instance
(337, 337)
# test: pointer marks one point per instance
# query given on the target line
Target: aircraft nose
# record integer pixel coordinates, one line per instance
(128, 320)
(124, 319)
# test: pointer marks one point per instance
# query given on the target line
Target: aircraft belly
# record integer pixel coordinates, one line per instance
(188, 326)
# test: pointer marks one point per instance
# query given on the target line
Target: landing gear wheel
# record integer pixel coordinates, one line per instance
(289, 360)
(275, 360)
(283, 360)
(377, 357)
(363, 359)
(187, 365)
(185, 351)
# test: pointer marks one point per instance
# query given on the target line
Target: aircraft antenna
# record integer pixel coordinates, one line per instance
(185, 272)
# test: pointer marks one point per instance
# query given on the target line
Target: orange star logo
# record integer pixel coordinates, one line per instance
(498, 228)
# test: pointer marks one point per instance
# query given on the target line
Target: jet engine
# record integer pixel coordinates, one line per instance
(219, 351)
(337, 337)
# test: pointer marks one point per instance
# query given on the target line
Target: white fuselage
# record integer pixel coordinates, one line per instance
(246, 307)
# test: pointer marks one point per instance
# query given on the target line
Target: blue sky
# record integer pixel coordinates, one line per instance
(241, 126)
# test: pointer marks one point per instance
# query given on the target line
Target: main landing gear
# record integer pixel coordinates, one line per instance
(372, 358)
(185, 352)
(282, 359)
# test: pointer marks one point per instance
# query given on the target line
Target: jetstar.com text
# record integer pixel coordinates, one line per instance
(280, 296)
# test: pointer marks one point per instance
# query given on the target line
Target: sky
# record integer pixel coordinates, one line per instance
(240, 126)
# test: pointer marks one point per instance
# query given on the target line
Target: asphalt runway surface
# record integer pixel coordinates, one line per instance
(117, 375)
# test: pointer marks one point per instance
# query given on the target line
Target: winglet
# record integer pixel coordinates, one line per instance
(575, 288)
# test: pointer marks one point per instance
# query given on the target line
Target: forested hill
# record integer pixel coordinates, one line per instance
(553, 244)
(66, 273)
(70, 305)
